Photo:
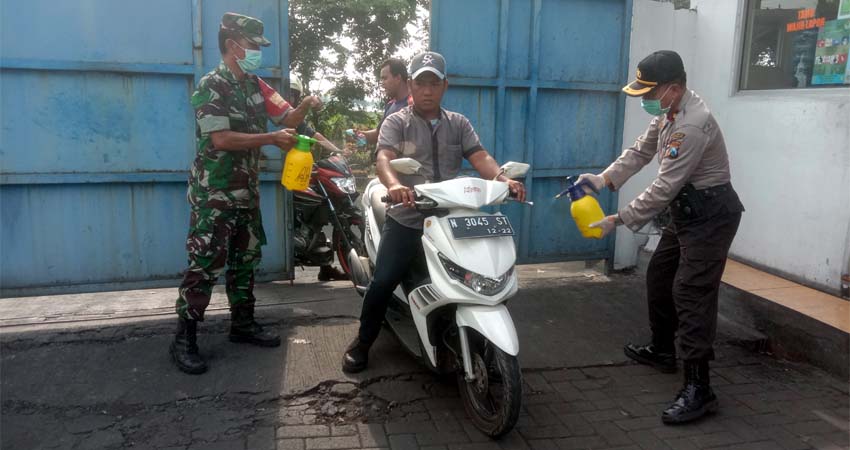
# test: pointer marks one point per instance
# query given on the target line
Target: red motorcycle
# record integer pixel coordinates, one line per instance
(329, 201)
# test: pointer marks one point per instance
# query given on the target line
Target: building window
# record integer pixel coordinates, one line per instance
(790, 44)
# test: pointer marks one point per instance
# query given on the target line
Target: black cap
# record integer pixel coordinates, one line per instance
(428, 62)
(660, 67)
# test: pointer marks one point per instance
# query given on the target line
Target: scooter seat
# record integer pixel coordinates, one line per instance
(379, 207)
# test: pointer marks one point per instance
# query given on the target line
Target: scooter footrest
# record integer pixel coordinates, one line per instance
(405, 330)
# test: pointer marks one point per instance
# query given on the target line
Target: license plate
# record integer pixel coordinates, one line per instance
(480, 227)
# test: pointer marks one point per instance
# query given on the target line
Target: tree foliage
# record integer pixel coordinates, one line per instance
(374, 28)
(333, 36)
(344, 109)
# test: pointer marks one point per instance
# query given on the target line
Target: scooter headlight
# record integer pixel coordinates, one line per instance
(477, 282)
(345, 184)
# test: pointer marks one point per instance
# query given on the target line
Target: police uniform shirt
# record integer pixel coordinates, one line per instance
(690, 148)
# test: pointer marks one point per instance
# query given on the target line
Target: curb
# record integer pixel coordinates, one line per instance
(791, 334)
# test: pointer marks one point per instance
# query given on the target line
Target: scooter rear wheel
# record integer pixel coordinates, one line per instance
(493, 399)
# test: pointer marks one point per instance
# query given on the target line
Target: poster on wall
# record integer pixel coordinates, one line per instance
(844, 9)
(833, 45)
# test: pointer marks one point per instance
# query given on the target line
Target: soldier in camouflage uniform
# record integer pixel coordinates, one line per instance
(225, 222)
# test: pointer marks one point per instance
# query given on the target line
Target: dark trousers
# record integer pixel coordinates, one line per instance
(683, 277)
(399, 247)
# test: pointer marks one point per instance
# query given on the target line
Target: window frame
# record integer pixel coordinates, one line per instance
(738, 67)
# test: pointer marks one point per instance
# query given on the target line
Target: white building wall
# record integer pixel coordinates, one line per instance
(789, 149)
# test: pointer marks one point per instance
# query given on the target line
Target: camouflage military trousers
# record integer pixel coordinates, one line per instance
(218, 237)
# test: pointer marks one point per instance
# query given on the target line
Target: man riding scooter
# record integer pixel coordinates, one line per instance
(439, 140)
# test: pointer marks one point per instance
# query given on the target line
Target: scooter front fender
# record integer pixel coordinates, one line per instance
(493, 322)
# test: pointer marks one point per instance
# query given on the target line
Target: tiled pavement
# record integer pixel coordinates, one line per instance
(765, 404)
(108, 383)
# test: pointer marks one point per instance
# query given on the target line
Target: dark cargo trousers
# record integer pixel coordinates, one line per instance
(683, 277)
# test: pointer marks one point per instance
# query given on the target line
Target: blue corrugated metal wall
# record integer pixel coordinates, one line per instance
(540, 80)
(97, 137)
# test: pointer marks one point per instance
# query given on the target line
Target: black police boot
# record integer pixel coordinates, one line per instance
(662, 359)
(330, 273)
(244, 329)
(356, 356)
(696, 398)
(184, 348)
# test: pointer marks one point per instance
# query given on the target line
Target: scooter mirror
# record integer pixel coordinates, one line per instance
(407, 166)
(515, 169)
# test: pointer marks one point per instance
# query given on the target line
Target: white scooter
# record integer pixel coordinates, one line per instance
(450, 311)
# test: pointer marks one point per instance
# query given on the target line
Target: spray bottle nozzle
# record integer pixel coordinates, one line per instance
(566, 191)
(303, 143)
(575, 190)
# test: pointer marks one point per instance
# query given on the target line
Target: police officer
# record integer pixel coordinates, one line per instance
(684, 273)
(225, 225)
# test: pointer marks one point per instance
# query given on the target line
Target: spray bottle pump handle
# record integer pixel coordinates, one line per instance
(585, 183)
(303, 143)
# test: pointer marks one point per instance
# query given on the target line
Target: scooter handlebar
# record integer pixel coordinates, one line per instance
(388, 199)
(513, 197)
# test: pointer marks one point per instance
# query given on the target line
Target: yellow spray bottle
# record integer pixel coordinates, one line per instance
(298, 165)
(584, 209)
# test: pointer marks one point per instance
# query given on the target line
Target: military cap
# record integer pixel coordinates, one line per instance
(249, 27)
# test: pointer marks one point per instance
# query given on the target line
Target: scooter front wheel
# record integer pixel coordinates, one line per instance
(493, 399)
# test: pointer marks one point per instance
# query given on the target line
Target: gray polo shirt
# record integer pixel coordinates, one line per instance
(440, 148)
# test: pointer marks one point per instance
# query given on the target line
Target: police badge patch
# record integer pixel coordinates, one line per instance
(672, 151)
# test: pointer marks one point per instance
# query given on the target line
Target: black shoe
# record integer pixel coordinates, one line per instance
(356, 357)
(664, 361)
(329, 273)
(696, 398)
(244, 329)
(184, 348)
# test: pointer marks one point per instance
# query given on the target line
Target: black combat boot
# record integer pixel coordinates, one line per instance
(696, 398)
(330, 273)
(356, 356)
(662, 359)
(184, 348)
(243, 328)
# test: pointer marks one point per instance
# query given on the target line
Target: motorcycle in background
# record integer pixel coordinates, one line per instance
(328, 201)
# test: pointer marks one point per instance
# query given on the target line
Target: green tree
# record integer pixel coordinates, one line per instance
(345, 109)
(375, 28)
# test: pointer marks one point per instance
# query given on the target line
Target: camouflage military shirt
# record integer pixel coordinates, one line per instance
(226, 179)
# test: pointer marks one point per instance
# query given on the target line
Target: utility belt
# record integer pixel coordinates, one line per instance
(692, 203)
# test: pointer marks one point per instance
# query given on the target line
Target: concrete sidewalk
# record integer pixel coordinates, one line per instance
(92, 371)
